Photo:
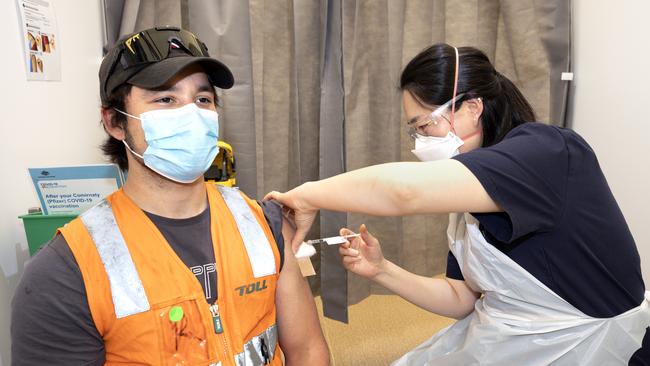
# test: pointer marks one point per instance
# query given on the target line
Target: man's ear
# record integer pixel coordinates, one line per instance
(115, 130)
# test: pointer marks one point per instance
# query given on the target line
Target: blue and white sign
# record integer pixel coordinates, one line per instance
(71, 190)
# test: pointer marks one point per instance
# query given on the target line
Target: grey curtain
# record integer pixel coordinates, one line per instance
(528, 41)
(316, 94)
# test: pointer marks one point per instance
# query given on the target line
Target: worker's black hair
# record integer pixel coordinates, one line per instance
(429, 77)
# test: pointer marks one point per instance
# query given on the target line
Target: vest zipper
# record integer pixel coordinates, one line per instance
(218, 327)
(216, 319)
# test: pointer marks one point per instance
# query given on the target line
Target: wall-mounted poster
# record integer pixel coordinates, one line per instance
(39, 32)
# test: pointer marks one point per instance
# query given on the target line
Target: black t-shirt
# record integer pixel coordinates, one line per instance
(187, 238)
(561, 222)
(51, 321)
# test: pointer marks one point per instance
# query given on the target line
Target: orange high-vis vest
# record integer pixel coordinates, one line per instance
(148, 306)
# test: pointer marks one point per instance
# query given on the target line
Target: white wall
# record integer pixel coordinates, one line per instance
(611, 101)
(42, 124)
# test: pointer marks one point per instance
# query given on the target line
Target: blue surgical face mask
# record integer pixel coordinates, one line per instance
(181, 142)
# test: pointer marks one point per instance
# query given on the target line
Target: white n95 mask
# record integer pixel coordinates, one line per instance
(181, 142)
(430, 148)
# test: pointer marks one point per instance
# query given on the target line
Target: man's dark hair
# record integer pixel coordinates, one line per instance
(113, 148)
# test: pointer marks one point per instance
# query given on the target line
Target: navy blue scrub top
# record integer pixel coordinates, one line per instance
(561, 222)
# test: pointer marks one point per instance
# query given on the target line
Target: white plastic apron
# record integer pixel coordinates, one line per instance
(520, 321)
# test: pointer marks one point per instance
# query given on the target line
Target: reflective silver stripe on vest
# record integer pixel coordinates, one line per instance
(252, 354)
(257, 244)
(126, 288)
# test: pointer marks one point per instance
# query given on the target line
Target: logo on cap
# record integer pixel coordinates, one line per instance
(131, 40)
(175, 44)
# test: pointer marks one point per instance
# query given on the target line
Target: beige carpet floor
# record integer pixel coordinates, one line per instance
(381, 328)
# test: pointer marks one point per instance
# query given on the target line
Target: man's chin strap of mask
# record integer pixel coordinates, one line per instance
(453, 103)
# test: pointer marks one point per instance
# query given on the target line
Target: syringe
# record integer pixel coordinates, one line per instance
(333, 240)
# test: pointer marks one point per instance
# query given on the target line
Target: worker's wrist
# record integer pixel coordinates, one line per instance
(302, 196)
(383, 271)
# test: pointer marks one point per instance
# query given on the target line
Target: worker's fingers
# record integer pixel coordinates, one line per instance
(298, 238)
(356, 242)
(301, 222)
(273, 195)
(345, 245)
(302, 229)
(348, 261)
(345, 231)
(368, 238)
(349, 252)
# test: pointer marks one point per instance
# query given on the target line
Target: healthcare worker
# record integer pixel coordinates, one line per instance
(542, 267)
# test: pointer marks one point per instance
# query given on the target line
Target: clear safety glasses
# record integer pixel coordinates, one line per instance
(432, 123)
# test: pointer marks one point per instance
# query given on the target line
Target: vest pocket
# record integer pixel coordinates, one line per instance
(182, 333)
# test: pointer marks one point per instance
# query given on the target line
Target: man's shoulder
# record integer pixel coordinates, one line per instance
(54, 257)
(53, 268)
(50, 317)
(272, 211)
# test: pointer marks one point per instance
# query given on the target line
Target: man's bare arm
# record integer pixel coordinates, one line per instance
(300, 333)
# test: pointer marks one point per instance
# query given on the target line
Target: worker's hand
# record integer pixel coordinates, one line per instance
(363, 254)
(301, 216)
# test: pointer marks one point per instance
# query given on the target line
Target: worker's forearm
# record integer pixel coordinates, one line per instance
(397, 189)
(436, 295)
(364, 190)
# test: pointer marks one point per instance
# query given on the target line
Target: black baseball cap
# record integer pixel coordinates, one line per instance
(150, 58)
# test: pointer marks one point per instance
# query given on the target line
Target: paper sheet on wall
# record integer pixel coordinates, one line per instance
(40, 39)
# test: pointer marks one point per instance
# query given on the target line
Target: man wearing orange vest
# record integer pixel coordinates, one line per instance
(168, 270)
